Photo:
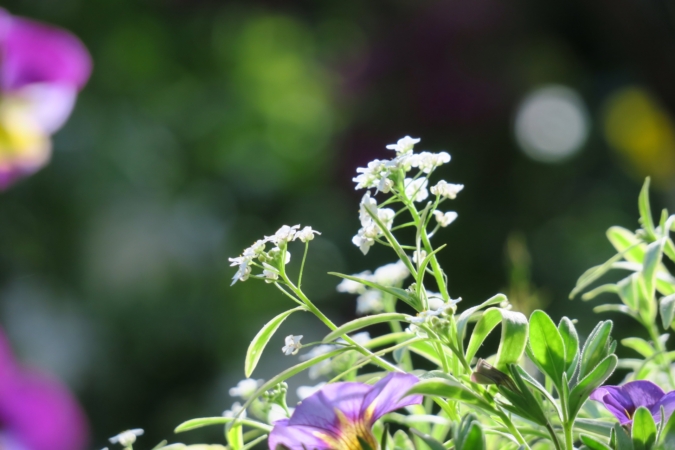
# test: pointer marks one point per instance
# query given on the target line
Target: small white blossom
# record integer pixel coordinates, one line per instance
(418, 256)
(283, 235)
(245, 388)
(365, 237)
(435, 300)
(293, 345)
(446, 190)
(369, 302)
(270, 273)
(386, 216)
(445, 219)
(373, 176)
(126, 438)
(242, 273)
(404, 145)
(367, 207)
(424, 315)
(305, 391)
(354, 287)
(306, 234)
(416, 190)
(363, 241)
(235, 410)
(427, 162)
(391, 274)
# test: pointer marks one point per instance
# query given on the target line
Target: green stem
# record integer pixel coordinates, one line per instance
(302, 266)
(569, 438)
(556, 441)
(506, 420)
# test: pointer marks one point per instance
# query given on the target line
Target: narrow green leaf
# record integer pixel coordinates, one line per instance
(542, 390)
(667, 310)
(604, 289)
(513, 338)
(464, 317)
(621, 440)
(650, 264)
(399, 293)
(623, 239)
(594, 273)
(220, 420)
(595, 348)
(628, 291)
(667, 435)
(645, 211)
(595, 426)
(261, 339)
(570, 338)
(235, 436)
(473, 438)
(431, 442)
(593, 380)
(547, 346)
(610, 307)
(593, 443)
(447, 389)
(641, 346)
(363, 322)
(160, 445)
(644, 429)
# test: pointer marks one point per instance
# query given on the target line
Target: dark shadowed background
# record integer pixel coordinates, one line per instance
(208, 124)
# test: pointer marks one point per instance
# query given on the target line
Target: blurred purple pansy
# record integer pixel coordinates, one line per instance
(36, 411)
(341, 415)
(42, 69)
(622, 401)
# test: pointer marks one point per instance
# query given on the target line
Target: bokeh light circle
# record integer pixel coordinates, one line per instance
(551, 123)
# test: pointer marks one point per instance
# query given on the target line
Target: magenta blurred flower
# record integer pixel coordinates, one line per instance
(340, 414)
(42, 69)
(36, 411)
(622, 401)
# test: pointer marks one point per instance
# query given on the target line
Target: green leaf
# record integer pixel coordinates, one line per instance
(593, 443)
(464, 317)
(644, 429)
(604, 289)
(513, 339)
(667, 436)
(610, 307)
(261, 339)
(641, 346)
(595, 348)
(595, 426)
(472, 438)
(623, 239)
(235, 436)
(542, 390)
(363, 322)
(220, 420)
(431, 442)
(667, 310)
(628, 291)
(650, 264)
(621, 440)
(570, 338)
(402, 441)
(399, 293)
(160, 445)
(547, 348)
(589, 383)
(594, 273)
(645, 211)
(443, 388)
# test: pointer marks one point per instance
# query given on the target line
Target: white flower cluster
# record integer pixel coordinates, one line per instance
(378, 173)
(381, 175)
(246, 388)
(370, 300)
(325, 367)
(126, 438)
(280, 239)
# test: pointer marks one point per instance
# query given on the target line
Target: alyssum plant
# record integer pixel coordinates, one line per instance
(422, 385)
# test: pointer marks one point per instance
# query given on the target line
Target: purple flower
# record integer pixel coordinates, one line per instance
(42, 69)
(36, 411)
(622, 401)
(340, 414)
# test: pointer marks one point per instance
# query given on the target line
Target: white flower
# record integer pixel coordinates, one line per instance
(386, 216)
(276, 250)
(283, 235)
(447, 190)
(126, 438)
(305, 391)
(416, 190)
(292, 346)
(306, 234)
(445, 219)
(369, 302)
(242, 273)
(391, 274)
(418, 256)
(367, 207)
(373, 176)
(424, 315)
(270, 273)
(427, 162)
(354, 287)
(435, 300)
(404, 145)
(245, 388)
(362, 241)
(235, 410)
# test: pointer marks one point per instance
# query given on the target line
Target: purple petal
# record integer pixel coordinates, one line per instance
(385, 396)
(668, 404)
(318, 410)
(616, 401)
(33, 52)
(643, 393)
(296, 437)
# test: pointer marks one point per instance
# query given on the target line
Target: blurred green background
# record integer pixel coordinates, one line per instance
(208, 124)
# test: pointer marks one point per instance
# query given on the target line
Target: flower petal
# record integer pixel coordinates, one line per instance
(318, 410)
(385, 396)
(643, 393)
(296, 437)
(33, 52)
(668, 404)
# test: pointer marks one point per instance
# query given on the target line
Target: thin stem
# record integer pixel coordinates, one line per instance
(569, 438)
(506, 420)
(554, 438)
(302, 265)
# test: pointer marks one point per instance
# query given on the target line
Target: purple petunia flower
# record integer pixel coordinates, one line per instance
(42, 69)
(36, 411)
(340, 414)
(622, 401)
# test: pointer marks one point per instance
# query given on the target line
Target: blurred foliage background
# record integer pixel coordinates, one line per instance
(208, 124)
